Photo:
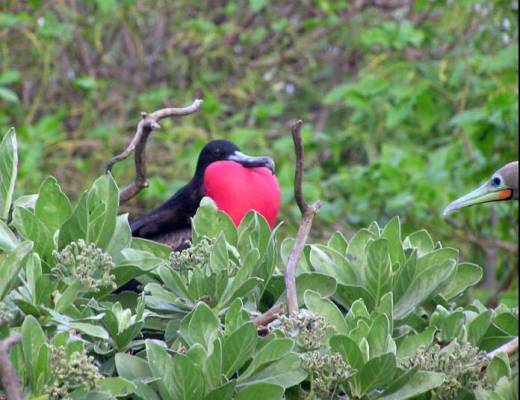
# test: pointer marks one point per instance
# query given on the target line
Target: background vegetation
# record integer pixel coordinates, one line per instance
(407, 104)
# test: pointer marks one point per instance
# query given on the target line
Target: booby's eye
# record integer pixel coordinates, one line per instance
(496, 181)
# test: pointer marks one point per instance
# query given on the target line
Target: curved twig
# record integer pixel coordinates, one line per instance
(148, 123)
(304, 228)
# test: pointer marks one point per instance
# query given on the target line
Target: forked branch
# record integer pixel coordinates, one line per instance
(304, 228)
(148, 123)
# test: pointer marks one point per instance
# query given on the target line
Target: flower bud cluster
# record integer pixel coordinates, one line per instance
(192, 258)
(86, 263)
(327, 371)
(71, 373)
(463, 365)
(306, 328)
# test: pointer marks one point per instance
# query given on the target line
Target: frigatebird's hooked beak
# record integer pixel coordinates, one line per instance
(251, 161)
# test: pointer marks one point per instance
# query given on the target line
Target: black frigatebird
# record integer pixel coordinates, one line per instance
(503, 185)
(237, 183)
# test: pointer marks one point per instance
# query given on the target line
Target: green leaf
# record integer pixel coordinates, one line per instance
(203, 325)
(8, 240)
(53, 207)
(188, 382)
(31, 228)
(451, 326)
(238, 348)
(33, 338)
(420, 382)
(131, 367)
(378, 336)
(272, 351)
(323, 284)
(261, 390)
(466, 275)
(357, 245)
(258, 5)
(409, 345)
(422, 287)
(11, 265)
(498, 367)
(117, 386)
(8, 95)
(379, 269)
(438, 256)
(392, 233)
(8, 171)
(90, 329)
(348, 349)
(376, 373)
(224, 392)
(161, 366)
(329, 262)
(478, 327)
(285, 372)
(346, 295)
(104, 192)
(327, 309)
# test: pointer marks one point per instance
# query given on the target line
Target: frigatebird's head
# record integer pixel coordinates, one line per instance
(223, 150)
(503, 185)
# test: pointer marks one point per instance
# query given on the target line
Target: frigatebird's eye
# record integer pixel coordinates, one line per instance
(496, 181)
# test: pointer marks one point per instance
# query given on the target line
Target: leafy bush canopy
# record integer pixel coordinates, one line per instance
(383, 317)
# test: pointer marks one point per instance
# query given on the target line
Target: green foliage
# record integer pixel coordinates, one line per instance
(421, 105)
(405, 108)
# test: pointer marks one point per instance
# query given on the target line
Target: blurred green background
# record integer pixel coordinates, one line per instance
(407, 104)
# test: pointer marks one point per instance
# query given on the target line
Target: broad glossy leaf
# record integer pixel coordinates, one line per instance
(10, 266)
(439, 256)
(346, 295)
(421, 382)
(378, 336)
(8, 171)
(8, 240)
(161, 366)
(498, 367)
(238, 348)
(33, 338)
(329, 262)
(466, 275)
(376, 373)
(104, 192)
(422, 287)
(31, 228)
(326, 309)
(285, 372)
(378, 274)
(131, 367)
(261, 390)
(348, 349)
(117, 386)
(188, 382)
(478, 327)
(203, 325)
(392, 233)
(409, 345)
(53, 207)
(421, 241)
(272, 351)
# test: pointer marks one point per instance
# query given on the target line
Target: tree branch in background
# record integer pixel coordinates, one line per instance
(509, 348)
(304, 228)
(148, 123)
(8, 377)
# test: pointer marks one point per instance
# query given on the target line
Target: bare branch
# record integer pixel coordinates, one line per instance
(8, 377)
(308, 213)
(148, 123)
(509, 348)
(269, 316)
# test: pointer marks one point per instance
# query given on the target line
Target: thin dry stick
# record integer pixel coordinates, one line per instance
(148, 123)
(509, 348)
(269, 316)
(304, 228)
(8, 377)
